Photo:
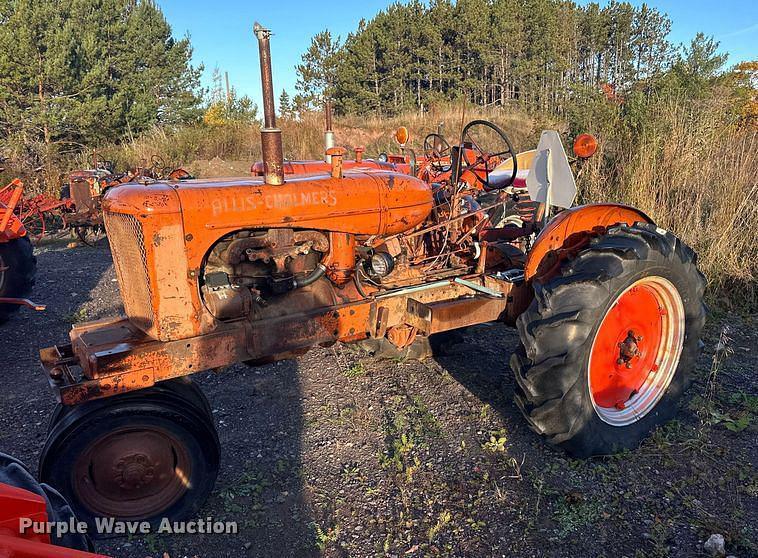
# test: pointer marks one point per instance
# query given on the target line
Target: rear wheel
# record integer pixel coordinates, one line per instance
(607, 344)
(17, 268)
(141, 456)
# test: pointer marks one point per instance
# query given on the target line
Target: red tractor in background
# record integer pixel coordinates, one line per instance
(83, 194)
(18, 264)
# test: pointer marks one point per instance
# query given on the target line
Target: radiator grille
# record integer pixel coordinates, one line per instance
(128, 246)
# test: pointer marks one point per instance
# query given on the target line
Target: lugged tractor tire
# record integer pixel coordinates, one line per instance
(587, 379)
(18, 266)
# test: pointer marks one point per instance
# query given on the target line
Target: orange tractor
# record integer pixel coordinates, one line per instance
(17, 261)
(214, 272)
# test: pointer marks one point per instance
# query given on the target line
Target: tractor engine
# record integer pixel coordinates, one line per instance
(258, 274)
(194, 253)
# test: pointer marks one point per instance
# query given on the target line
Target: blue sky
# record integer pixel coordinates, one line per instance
(221, 32)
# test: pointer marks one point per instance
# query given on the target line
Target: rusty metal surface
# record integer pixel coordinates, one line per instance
(271, 136)
(22, 302)
(132, 474)
(455, 314)
(567, 232)
(11, 226)
(114, 356)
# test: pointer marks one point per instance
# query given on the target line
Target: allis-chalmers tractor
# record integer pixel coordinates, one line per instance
(213, 272)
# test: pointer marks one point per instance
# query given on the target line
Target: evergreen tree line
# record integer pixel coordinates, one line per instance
(77, 72)
(543, 54)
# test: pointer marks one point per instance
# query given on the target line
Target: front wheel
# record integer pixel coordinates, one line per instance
(607, 344)
(141, 456)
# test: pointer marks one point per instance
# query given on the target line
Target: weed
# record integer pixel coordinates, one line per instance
(324, 538)
(355, 371)
(497, 441)
(77, 316)
(485, 412)
(406, 430)
(350, 470)
(442, 521)
(245, 494)
(572, 513)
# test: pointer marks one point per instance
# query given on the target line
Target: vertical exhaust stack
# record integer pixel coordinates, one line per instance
(328, 133)
(271, 136)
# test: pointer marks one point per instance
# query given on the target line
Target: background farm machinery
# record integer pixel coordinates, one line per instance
(78, 209)
(17, 261)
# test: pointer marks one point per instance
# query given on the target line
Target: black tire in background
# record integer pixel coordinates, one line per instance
(17, 280)
(558, 330)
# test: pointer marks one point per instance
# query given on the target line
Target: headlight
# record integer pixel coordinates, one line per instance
(381, 264)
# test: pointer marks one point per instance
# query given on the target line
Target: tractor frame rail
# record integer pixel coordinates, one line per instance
(113, 356)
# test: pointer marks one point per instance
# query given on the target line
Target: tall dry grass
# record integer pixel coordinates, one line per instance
(694, 171)
(690, 168)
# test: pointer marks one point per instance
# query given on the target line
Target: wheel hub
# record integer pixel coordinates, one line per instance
(134, 471)
(131, 473)
(628, 349)
(636, 351)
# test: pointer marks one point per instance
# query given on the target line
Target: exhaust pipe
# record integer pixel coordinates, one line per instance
(328, 133)
(271, 136)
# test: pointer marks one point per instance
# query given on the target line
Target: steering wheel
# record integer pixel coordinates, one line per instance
(157, 165)
(486, 143)
(436, 148)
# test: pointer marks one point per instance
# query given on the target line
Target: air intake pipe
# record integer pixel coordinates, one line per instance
(271, 136)
(328, 133)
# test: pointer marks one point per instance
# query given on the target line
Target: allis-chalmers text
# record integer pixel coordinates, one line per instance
(285, 200)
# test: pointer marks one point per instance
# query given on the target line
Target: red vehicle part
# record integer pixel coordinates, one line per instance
(632, 357)
(11, 231)
(570, 231)
(11, 226)
(16, 504)
(32, 212)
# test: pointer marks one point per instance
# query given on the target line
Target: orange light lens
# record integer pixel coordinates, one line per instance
(401, 135)
(585, 146)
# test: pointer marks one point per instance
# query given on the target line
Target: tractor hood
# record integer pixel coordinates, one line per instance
(364, 203)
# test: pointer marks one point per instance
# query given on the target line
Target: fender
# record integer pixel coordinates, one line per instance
(11, 226)
(570, 230)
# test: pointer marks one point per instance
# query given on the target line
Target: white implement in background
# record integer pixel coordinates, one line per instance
(550, 179)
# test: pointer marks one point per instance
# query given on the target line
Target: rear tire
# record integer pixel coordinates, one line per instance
(577, 384)
(17, 280)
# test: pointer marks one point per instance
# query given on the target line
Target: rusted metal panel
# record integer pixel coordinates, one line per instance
(570, 228)
(463, 312)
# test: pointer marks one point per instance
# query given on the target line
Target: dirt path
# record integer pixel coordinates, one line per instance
(339, 454)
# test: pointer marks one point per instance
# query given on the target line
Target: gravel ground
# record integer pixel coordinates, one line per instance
(340, 454)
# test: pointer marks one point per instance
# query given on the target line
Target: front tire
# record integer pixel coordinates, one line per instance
(608, 343)
(142, 456)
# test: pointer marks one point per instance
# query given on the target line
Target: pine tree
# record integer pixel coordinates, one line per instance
(77, 71)
(285, 105)
(317, 72)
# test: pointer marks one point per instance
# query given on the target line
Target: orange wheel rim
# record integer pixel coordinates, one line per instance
(636, 351)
